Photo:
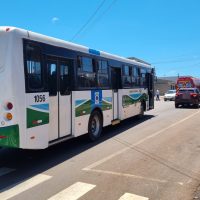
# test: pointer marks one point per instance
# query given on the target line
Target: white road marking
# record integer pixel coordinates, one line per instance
(126, 175)
(99, 162)
(165, 129)
(129, 196)
(21, 187)
(73, 192)
(5, 170)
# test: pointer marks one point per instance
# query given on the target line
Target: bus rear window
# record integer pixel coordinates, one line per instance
(33, 65)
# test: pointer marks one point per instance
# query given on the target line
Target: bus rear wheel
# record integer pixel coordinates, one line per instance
(95, 125)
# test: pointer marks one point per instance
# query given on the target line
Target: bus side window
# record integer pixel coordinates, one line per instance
(143, 78)
(34, 79)
(64, 78)
(86, 72)
(52, 78)
(102, 74)
(126, 78)
(135, 76)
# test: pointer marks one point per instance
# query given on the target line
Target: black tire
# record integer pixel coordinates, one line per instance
(197, 105)
(176, 105)
(95, 125)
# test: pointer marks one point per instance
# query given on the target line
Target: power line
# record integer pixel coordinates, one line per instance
(109, 7)
(89, 20)
(179, 57)
(195, 65)
(175, 61)
(100, 16)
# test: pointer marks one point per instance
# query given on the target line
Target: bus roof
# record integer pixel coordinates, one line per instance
(69, 45)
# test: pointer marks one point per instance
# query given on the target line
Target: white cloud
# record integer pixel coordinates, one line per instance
(54, 20)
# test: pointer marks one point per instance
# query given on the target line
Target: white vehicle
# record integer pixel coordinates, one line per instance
(53, 90)
(170, 95)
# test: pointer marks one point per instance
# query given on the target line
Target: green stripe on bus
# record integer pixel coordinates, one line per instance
(106, 106)
(127, 100)
(36, 118)
(9, 136)
(84, 109)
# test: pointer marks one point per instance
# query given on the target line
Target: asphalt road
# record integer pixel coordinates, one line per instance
(157, 157)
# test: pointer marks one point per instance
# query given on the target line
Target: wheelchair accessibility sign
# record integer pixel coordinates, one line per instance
(96, 96)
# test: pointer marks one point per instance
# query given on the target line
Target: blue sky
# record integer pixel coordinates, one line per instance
(165, 33)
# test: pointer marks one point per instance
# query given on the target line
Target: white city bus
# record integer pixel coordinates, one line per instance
(53, 90)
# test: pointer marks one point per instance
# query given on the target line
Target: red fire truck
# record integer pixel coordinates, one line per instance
(187, 82)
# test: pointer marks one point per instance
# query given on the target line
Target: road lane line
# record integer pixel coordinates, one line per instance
(73, 192)
(23, 186)
(165, 129)
(125, 175)
(129, 196)
(103, 160)
(99, 162)
(5, 170)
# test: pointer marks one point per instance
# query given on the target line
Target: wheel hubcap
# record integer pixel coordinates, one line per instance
(95, 124)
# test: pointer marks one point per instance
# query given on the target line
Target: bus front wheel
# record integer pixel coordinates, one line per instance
(95, 125)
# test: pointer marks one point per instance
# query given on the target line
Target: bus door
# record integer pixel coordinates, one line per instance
(59, 97)
(65, 103)
(116, 82)
(150, 82)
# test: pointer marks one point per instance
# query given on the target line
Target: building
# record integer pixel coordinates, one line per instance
(164, 84)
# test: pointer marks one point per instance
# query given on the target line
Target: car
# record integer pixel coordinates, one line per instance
(187, 96)
(170, 95)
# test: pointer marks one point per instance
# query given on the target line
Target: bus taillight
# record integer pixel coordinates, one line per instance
(9, 116)
(9, 106)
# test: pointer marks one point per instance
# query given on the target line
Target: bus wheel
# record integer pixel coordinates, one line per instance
(95, 125)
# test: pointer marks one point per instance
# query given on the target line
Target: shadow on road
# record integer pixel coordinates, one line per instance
(28, 163)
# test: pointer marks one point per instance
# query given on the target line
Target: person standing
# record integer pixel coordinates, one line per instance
(157, 95)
